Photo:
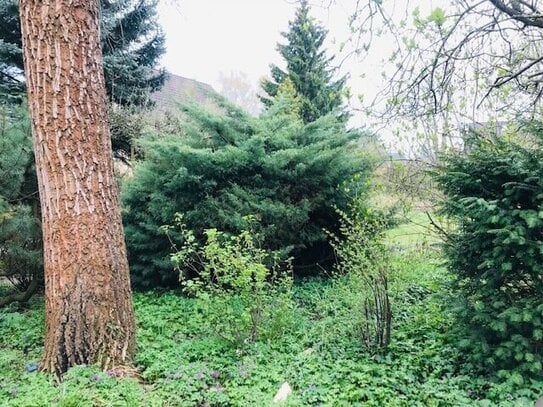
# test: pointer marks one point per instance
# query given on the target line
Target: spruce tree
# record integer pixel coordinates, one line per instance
(308, 68)
(132, 44)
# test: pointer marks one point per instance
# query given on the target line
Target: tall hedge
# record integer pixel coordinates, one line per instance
(495, 196)
(220, 168)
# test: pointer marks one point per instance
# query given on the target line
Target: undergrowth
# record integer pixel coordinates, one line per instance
(184, 362)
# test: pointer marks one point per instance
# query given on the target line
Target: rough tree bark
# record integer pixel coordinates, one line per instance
(89, 314)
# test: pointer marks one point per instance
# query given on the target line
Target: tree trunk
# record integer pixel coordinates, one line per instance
(89, 314)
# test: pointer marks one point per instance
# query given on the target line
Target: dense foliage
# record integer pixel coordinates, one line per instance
(20, 228)
(495, 195)
(132, 44)
(221, 168)
(308, 69)
(236, 281)
(184, 361)
(11, 56)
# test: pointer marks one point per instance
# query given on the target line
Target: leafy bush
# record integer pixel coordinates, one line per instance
(495, 195)
(362, 256)
(234, 283)
(221, 168)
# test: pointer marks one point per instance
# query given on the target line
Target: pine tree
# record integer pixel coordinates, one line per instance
(11, 56)
(131, 42)
(308, 68)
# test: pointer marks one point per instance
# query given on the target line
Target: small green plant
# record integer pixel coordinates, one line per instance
(243, 288)
(362, 256)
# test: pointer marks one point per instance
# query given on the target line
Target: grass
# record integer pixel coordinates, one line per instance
(415, 233)
(183, 362)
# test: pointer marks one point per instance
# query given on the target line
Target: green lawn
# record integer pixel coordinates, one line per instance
(183, 362)
(414, 233)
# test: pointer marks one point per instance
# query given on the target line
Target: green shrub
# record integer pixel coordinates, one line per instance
(234, 283)
(222, 168)
(362, 257)
(494, 194)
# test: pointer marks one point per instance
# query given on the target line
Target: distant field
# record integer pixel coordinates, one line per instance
(414, 231)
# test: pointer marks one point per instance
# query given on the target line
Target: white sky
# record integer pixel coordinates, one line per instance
(207, 37)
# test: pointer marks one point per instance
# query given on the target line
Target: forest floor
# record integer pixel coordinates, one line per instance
(183, 361)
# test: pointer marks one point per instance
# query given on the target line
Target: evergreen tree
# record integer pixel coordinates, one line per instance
(493, 196)
(308, 68)
(11, 56)
(221, 168)
(20, 228)
(132, 44)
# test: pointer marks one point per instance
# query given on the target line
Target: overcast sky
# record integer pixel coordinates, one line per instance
(207, 37)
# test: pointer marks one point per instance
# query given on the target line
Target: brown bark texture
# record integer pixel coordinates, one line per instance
(89, 313)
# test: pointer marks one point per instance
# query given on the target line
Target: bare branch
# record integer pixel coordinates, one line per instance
(502, 80)
(20, 296)
(517, 12)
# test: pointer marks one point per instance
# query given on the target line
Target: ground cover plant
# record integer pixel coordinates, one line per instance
(182, 361)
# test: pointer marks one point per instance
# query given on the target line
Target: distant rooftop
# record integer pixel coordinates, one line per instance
(178, 90)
